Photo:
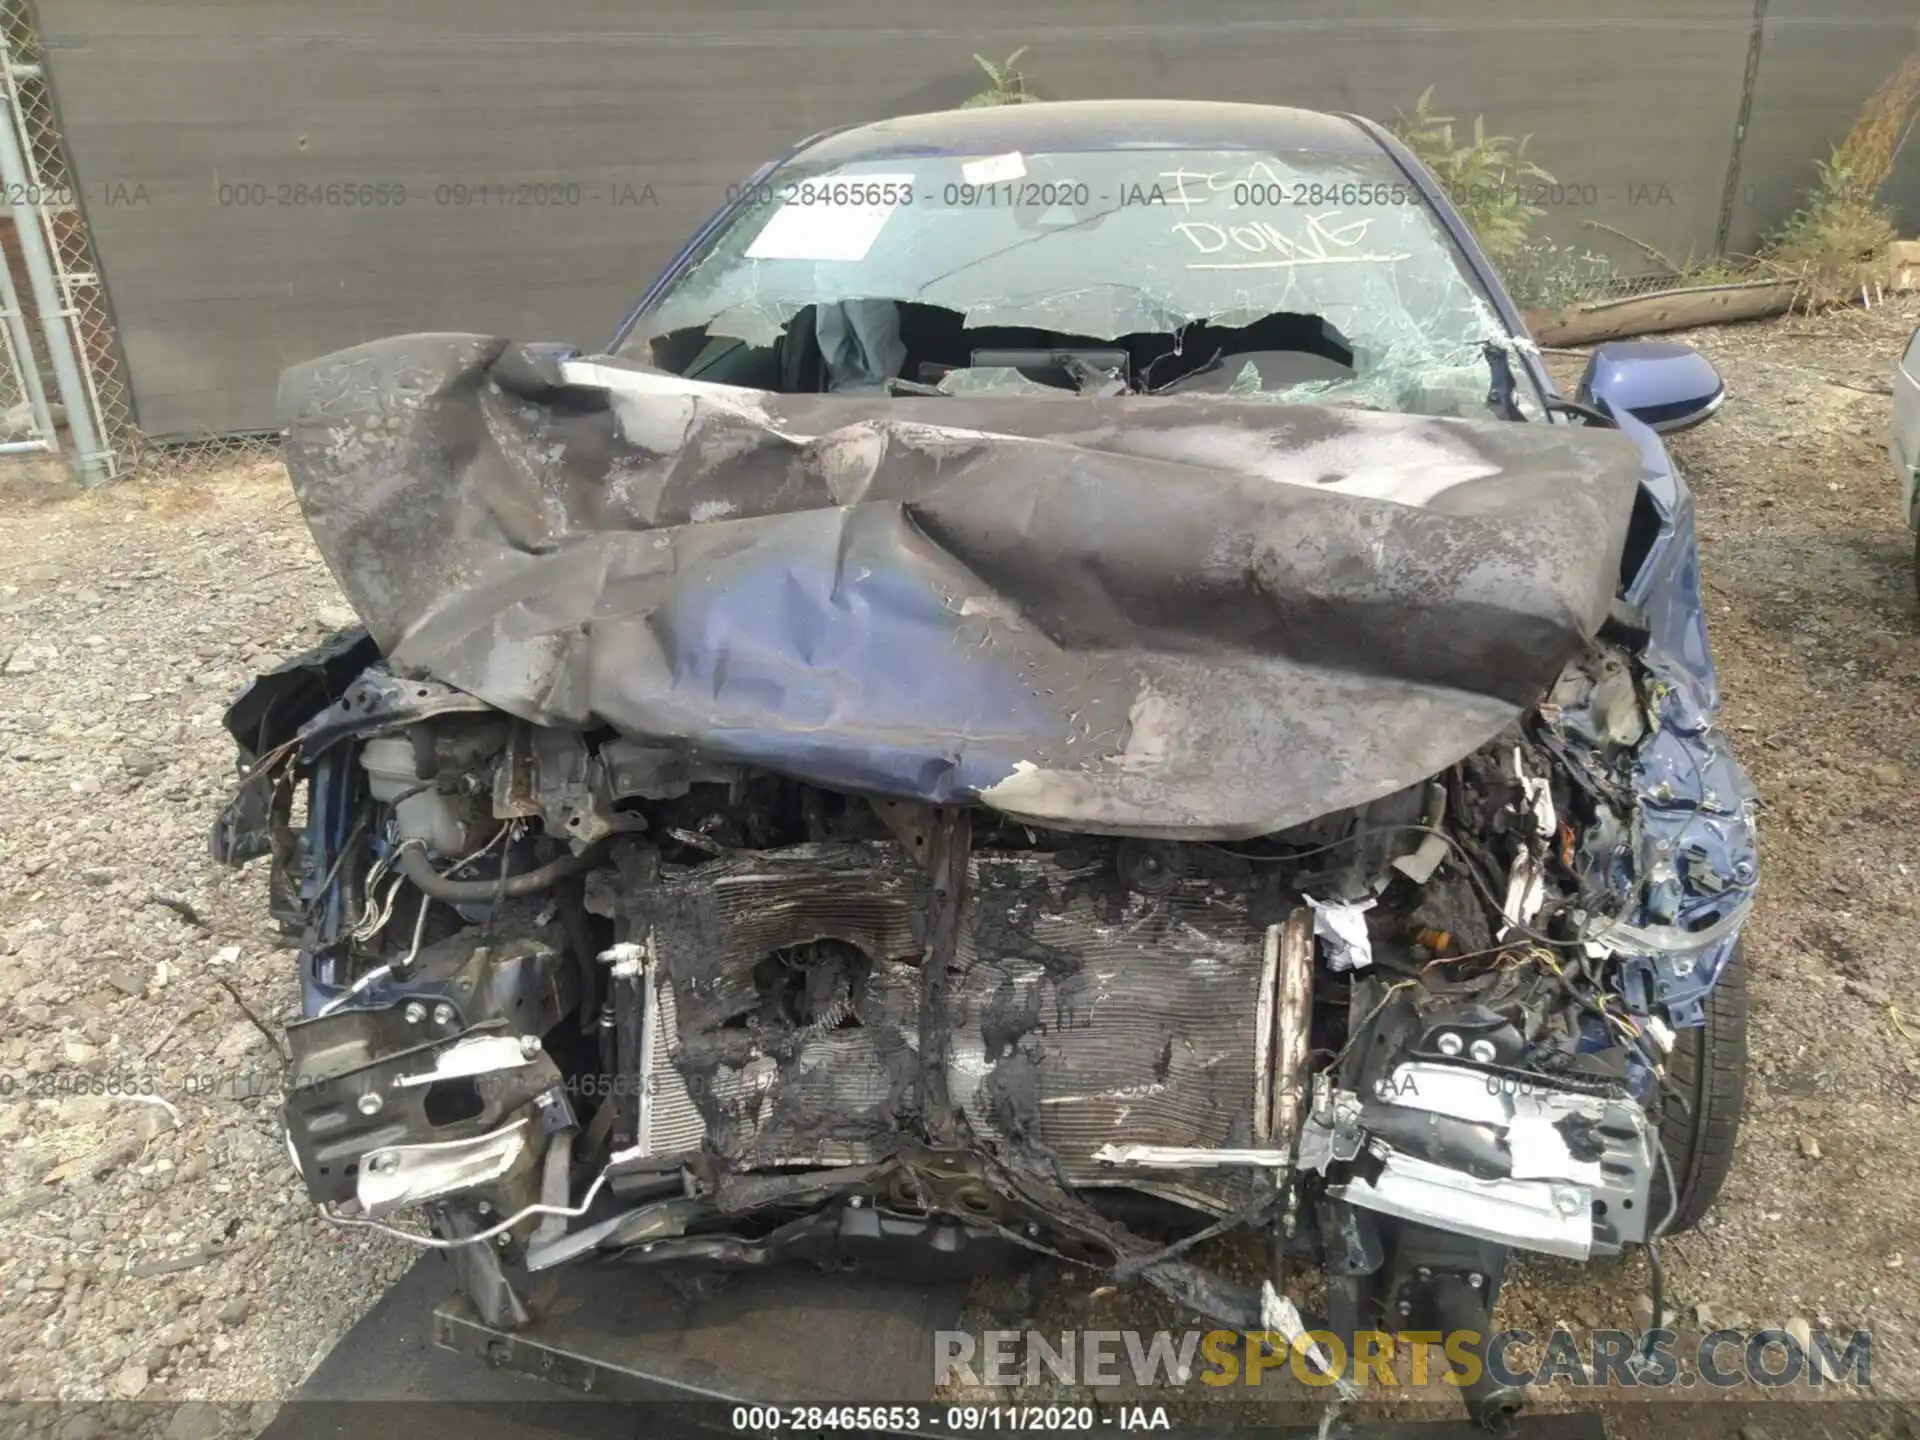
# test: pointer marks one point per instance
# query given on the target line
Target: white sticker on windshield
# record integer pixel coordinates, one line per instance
(994, 170)
(831, 219)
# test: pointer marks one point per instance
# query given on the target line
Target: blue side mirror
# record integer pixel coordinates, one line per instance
(1667, 387)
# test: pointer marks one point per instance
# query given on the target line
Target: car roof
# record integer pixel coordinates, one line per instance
(1095, 125)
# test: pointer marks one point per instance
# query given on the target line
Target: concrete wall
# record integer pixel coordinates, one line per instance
(166, 102)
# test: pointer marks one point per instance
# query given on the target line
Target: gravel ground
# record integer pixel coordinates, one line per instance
(164, 1250)
(127, 620)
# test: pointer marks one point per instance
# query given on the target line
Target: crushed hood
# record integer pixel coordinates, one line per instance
(1181, 617)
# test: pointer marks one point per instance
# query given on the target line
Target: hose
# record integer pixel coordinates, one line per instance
(416, 867)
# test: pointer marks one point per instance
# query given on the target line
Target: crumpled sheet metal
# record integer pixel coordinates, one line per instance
(1178, 617)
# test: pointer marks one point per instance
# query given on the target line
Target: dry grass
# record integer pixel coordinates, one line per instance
(29, 485)
(1874, 142)
(1843, 226)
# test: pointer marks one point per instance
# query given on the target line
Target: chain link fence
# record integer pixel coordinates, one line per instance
(1542, 275)
(217, 452)
(50, 194)
(24, 425)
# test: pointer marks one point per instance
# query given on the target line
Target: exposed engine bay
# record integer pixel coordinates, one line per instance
(577, 986)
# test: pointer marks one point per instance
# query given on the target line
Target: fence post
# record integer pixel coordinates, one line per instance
(1723, 231)
(49, 302)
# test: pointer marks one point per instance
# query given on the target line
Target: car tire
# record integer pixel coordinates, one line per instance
(1709, 1068)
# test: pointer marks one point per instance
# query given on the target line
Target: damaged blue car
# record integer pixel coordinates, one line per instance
(1067, 684)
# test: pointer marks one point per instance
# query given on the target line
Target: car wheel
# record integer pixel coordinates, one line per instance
(1709, 1069)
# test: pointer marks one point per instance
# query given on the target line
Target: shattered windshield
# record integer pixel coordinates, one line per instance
(1239, 273)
